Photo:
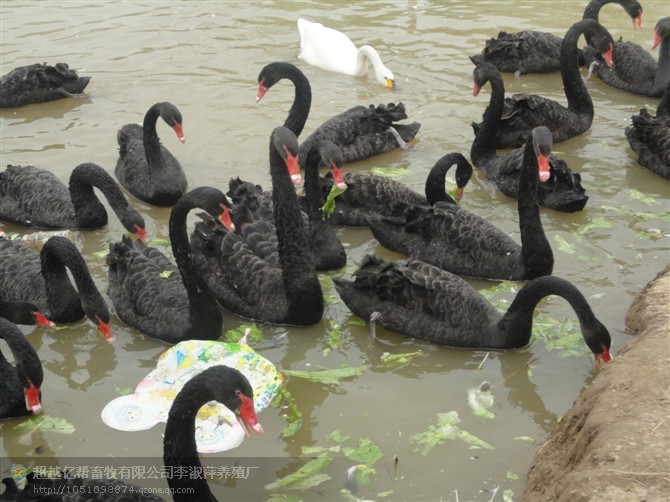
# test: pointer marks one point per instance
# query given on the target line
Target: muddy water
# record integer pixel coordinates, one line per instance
(205, 57)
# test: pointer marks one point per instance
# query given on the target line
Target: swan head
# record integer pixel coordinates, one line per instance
(542, 143)
(386, 78)
(661, 30)
(172, 117)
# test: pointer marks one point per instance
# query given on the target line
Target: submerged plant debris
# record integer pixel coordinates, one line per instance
(331, 376)
(480, 400)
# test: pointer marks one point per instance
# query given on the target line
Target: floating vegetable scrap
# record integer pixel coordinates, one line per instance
(445, 429)
(45, 423)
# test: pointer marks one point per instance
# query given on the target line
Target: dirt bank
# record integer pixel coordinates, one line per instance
(614, 443)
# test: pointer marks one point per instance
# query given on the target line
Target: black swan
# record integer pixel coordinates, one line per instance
(368, 194)
(218, 383)
(523, 112)
(360, 132)
(465, 244)
(539, 52)
(20, 312)
(649, 137)
(422, 301)
(38, 83)
(635, 70)
(284, 289)
(562, 191)
(34, 197)
(19, 384)
(42, 279)
(251, 203)
(332, 50)
(145, 167)
(162, 301)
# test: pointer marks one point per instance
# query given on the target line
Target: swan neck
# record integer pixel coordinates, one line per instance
(313, 193)
(579, 100)
(517, 323)
(24, 354)
(662, 78)
(294, 255)
(201, 303)
(536, 252)
(592, 10)
(152, 145)
(365, 53)
(179, 446)
(58, 254)
(435, 188)
(483, 147)
(302, 102)
(89, 211)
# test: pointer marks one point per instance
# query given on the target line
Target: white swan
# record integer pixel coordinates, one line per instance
(332, 50)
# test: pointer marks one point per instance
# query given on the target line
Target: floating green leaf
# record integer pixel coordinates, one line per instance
(236, 334)
(637, 195)
(337, 437)
(284, 497)
(334, 335)
(294, 418)
(308, 476)
(332, 376)
(563, 245)
(474, 442)
(45, 423)
(362, 474)
(166, 273)
(123, 392)
(389, 359)
(365, 453)
(446, 428)
(508, 495)
(101, 254)
(385, 494)
(158, 242)
(530, 439)
(480, 399)
(598, 222)
(329, 205)
(356, 321)
(511, 476)
(589, 259)
(318, 450)
(390, 172)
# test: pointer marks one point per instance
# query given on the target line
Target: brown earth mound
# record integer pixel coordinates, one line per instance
(614, 443)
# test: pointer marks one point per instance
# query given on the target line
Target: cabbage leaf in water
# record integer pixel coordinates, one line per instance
(45, 423)
(446, 429)
(332, 377)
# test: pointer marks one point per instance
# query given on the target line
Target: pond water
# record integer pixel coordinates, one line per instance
(205, 57)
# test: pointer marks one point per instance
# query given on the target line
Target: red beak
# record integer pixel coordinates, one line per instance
(657, 40)
(475, 89)
(180, 132)
(247, 417)
(105, 330)
(226, 219)
(459, 194)
(637, 22)
(261, 91)
(140, 232)
(543, 168)
(607, 56)
(337, 177)
(293, 167)
(33, 399)
(40, 320)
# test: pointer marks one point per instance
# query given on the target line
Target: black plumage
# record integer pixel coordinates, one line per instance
(562, 191)
(369, 194)
(649, 137)
(34, 197)
(465, 244)
(422, 301)
(19, 383)
(163, 301)
(635, 70)
(42, 280)
(145, 167)
(281, 288)
(38, 83)
(531, 51)
(523, 112)
(360, 132)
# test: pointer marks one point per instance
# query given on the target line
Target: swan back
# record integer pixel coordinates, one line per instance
(332, 50)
